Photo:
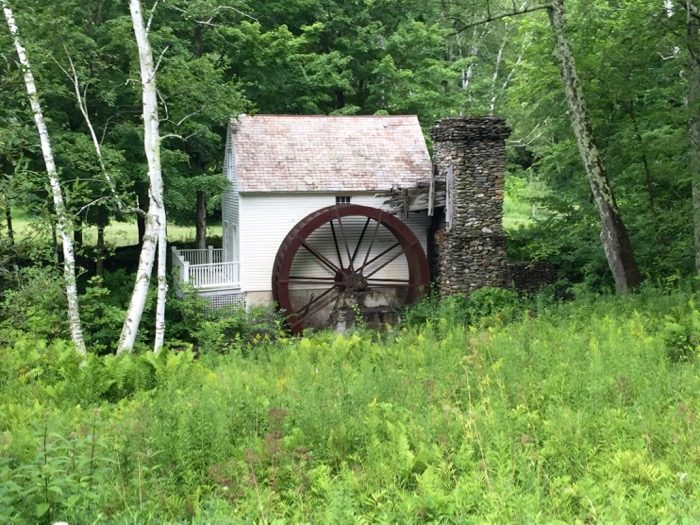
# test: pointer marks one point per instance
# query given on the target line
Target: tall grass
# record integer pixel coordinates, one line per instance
(577, 413)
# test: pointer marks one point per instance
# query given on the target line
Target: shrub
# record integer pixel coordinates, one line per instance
(35, 304)
(238, 328)
(481, 307)
(681, 332)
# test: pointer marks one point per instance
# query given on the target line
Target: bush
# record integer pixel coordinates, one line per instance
(681, 333)
(481, 307)
(231, 328)
(35, 303)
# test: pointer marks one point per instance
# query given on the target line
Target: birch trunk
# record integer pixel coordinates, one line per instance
(496, 72)
(155, 217)
(63, 223)
(614, 235)
(694, 119)
(162, 285)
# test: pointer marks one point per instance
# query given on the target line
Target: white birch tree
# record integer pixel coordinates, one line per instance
(64, 226)
(155, 217)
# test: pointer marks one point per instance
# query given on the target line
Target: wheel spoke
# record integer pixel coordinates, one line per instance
(299, 281)
(388, 285)
(319, 256)
(345, 241)
(308, 278)
(371, 244)
(306, 307)
(397, 281)
(357, 248)
(302, 317)
(360, 269)
(385, 264)
(335, 241)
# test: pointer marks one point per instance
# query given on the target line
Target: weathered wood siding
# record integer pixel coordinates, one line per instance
(265, 219)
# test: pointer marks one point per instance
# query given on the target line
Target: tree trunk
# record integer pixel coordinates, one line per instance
(648, 178)
(78, 235)
(63, 223)
(201, 220)
(496, 72)
(162, 286)
(614, 235)
(694, 118)
(155, 221)
(141, 227)
(10, 229)
(100, 250)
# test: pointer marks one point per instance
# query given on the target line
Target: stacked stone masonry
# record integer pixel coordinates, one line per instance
(473, 253)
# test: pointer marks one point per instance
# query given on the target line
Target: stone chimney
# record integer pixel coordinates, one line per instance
(470, 155)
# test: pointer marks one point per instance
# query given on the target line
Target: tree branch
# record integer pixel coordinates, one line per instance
(492, 18)
(82, 105)
(150, 17)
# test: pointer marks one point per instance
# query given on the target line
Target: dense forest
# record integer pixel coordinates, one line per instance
(576, 404)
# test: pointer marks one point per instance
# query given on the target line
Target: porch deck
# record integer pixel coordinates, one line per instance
(205, 269)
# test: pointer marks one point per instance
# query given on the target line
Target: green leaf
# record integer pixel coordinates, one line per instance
(41, 509)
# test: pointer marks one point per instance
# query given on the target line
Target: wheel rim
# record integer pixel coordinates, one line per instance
(346, 251)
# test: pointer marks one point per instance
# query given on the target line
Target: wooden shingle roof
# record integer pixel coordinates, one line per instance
(296, 153)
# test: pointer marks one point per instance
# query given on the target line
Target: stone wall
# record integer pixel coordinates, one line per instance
(530, 277)
(472, 254)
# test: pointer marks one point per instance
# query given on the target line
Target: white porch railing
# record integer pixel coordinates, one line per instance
(205, 269)
(207, 256)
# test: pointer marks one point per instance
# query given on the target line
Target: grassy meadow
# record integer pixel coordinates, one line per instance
(116, 233)
(492, 410)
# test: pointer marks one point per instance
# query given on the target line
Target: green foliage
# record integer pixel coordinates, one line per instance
(233, 328)
(100, 313)
(366, 57)
(34, 303)
(681, 333)
(577, 414)
(482, 307)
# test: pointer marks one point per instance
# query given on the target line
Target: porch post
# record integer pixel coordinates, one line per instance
(186, 272)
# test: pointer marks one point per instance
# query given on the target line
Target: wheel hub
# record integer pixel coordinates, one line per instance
(349, 280)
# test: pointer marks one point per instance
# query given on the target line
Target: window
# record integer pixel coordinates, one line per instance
(342, 199)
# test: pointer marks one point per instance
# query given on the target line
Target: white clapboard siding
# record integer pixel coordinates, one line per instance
(230, 206)
(267, 218)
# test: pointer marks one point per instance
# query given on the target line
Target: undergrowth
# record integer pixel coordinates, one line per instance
(514, 412)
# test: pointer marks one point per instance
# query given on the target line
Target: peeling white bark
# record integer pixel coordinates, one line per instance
(162, 285)
(155, 217)
(468, 73)
(497, 93)
(668, 7)
(496, 72)
(64, 226)
(614, 235)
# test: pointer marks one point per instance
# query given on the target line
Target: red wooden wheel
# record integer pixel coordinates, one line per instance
(346, 250)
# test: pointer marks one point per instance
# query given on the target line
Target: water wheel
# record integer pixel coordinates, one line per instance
(347, 256)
